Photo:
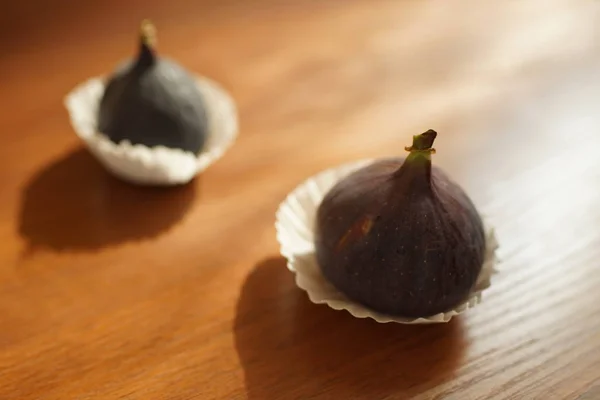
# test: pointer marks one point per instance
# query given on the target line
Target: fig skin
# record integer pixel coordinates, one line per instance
(400, 237)
(153, 101)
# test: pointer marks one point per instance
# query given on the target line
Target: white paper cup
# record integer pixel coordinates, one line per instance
(159, 166)
(295, 225)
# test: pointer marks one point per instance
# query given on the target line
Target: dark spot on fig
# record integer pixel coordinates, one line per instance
(153, 101)
(423, 253)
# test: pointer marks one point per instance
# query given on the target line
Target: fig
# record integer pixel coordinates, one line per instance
(400, 237)
(153, 101)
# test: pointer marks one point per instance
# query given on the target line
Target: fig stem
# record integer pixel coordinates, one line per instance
(146, 56)
(416, 169)
(423, 143)
(148, 34)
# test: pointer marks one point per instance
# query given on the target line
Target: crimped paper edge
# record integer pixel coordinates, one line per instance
(159, 165)
(294, 253)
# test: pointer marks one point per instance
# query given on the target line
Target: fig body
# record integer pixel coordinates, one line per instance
(153, 101)
(400, 237)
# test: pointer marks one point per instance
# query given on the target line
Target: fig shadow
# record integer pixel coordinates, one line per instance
(292, 348)
(75, 204)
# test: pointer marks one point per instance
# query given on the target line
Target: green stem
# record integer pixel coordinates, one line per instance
(423, 142)
(147, 55)
(416, 169)
(148, 34)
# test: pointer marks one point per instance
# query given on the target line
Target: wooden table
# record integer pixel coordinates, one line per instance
(109, 291)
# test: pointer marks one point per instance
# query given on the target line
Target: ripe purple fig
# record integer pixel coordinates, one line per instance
(400, 237)
(153, 101)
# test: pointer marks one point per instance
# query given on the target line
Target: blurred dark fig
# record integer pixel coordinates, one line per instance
(153, 101)
(400, 237)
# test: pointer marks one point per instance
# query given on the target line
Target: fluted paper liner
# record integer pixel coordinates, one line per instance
(160, 166)
(295, 224)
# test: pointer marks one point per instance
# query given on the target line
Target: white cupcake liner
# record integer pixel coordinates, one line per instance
(295, 224)
(160, 166)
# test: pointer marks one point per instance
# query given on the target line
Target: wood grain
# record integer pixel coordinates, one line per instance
(108, 291)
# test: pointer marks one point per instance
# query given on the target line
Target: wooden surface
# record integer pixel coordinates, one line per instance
(113, 292)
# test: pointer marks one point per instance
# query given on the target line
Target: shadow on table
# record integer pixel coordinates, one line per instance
(291, 348)
(74, 204)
